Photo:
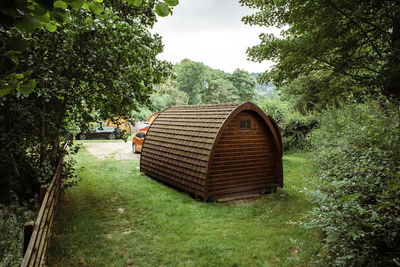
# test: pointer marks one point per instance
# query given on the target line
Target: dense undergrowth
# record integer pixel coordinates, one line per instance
(12, 219)
(357, 160)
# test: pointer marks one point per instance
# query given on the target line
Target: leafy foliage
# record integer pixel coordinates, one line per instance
(295, 127)
(244, 84)
(319, 90)
(19, 19)
(105, 64)
(356, 39)
(191, 79)
(12, 219)
(357, 156)
(196, 83)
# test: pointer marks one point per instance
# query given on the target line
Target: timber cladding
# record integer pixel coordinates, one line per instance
(214, 151)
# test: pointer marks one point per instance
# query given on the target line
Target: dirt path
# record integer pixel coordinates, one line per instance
(114, 150)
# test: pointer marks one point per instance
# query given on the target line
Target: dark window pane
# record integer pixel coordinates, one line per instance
(244, 124)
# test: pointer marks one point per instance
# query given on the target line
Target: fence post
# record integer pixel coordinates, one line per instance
(28, 230)
(43, 190)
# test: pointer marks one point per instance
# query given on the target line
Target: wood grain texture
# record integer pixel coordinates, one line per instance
(202, 149)
(36, 251)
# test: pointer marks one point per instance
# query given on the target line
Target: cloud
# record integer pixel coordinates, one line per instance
(210, 31)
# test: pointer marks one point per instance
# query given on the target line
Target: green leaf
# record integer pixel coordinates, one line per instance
(136, 2)
(16, 44)
(60, 4)
(86, 6)
(50, 27)
(96, 8)
(59, 15)
(172, 2)
(98, 1)
(5, 91)
(27, 22)
(19, 76)
(76, 4)
(27, 87)
(162, 9)
(6, 87)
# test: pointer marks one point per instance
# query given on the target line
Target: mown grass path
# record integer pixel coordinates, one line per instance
(118, 217)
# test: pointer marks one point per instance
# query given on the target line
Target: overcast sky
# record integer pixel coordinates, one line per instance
(210, 31)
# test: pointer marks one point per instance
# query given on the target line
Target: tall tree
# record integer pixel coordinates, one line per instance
(219, 89)
(245, 85)
(107, 63)
(191, 79)
(358, 39)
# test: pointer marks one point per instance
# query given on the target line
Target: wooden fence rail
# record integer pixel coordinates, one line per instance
(37, 235)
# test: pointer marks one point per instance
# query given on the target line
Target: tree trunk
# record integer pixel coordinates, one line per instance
(392, 70)
(43, 146)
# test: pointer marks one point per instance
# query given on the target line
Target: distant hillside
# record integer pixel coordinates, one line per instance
(264, 89)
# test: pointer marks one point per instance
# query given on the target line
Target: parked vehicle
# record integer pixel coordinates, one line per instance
(106, 132)
(142, 125)
(137, 141)
(141, 128)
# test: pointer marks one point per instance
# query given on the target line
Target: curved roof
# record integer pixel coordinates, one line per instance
(181, 139)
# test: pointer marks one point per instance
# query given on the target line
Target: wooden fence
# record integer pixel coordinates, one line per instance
(37, 234)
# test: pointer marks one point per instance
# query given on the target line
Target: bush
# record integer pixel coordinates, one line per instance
(12, 220)
(294, 126)
(295, 130)
(357, 157)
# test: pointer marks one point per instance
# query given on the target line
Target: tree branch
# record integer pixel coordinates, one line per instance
(358, 25)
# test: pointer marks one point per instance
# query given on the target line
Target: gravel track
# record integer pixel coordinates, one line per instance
(111, 150)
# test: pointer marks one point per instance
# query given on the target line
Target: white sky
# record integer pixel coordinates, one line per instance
(210, 31)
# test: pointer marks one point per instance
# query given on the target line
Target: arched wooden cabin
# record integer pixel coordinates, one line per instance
(214, 151)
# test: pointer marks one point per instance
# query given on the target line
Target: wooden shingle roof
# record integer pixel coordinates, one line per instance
(180, 140)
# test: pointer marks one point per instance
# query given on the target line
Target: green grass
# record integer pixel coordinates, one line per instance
(118, 217)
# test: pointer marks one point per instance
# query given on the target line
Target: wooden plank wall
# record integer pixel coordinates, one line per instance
(36, 251)
(178, 144)
(244, 161)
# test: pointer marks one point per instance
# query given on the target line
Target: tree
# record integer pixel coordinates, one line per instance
(191, 79)
(19, 19)
(107, 64)
(220, 89)
(318, 90)
(245, 85)
(167, 95)
(356, 39)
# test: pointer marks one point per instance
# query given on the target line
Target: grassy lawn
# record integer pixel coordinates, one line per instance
(118, 217)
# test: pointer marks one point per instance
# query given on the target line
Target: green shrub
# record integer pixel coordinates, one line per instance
(357, 157)
(12, 220)
(275, 108)
(295, 130)
(294, 126)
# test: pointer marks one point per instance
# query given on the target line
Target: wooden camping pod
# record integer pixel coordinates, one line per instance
(214, 151)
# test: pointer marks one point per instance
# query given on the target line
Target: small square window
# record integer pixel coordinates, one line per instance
(245, 124)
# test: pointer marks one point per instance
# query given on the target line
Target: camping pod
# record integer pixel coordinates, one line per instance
(121, 123)
(152, 117)
(219, 151)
